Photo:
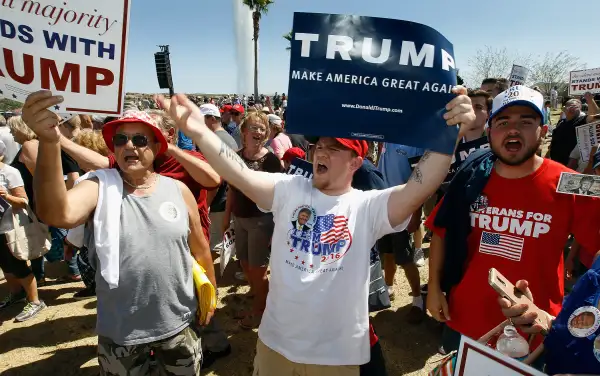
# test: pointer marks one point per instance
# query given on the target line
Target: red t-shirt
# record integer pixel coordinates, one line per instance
(520, 227)
(170, 167)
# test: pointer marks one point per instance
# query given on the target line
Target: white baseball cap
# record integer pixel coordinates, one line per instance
(518, 96)
(274, 119)
(210, 109)
(2, 147)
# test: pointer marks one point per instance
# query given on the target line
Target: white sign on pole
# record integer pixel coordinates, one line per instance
(76, 49)
(473, 357)
(583, 81)
(228, 248)
(518, 75)
(588, 136)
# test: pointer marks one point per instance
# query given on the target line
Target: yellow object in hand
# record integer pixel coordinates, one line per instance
(205, 291)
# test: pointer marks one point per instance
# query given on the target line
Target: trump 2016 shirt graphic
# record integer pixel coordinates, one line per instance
(315, 241)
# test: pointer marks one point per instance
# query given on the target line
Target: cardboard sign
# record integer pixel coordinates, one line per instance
(374, 78)
(228, 248)
(588, 136)
(76, 49)
(301, 167)
(518, 75)
(473, 357)
(583, 81)
(463, 150)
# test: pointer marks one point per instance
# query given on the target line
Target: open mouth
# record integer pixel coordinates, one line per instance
(513, 145)
(257, 138)
(321, 168)
(131, 159)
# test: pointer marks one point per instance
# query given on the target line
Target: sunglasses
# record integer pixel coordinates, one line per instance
(234, 113)
(138, 140)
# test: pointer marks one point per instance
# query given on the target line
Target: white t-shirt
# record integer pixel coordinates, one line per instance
(10, 178)
(317, 307)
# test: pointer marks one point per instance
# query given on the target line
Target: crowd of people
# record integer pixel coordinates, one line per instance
(133, 202)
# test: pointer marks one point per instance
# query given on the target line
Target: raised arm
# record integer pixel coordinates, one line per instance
(432, 168)
(86, 159)
(593, 110)
(198, 169)
(54, 204)
(223, 159)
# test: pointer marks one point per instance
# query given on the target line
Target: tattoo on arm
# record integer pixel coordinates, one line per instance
(417, 174)
(228, 153)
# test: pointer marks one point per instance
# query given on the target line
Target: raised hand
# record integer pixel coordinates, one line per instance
(185, 113)
(41, 120)
(460, 110)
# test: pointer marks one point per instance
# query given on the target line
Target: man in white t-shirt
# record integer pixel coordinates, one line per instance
(316, 318)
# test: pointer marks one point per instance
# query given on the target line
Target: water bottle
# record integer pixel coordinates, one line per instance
(512, 344)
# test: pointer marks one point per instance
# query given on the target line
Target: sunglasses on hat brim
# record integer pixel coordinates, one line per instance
(138, 140)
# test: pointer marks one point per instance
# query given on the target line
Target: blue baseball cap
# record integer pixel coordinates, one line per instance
(518, 95)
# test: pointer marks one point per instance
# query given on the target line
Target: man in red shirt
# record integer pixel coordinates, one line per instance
(189, 167)
(518, 225)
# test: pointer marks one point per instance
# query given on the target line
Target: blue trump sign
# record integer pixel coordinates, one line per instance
(372, 78)
(301, 167)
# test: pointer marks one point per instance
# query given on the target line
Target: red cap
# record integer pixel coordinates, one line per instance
(293, 153)
(238, 107)
(226, 108)
(359, 146)
(109, 129)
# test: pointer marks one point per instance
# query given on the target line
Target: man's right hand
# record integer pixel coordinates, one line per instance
(437, 304)
(41, 120)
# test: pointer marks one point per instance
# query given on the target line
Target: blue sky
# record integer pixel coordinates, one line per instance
(201, 35)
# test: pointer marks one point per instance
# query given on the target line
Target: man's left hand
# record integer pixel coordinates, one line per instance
(460, 110)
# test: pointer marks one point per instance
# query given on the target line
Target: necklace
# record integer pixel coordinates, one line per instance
(147, 186)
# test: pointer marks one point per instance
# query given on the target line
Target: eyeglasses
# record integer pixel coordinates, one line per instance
(138, 140)
(234, 113)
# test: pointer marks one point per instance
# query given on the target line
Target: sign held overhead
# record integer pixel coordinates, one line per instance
(75, 49)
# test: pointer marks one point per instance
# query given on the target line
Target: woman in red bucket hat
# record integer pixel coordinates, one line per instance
(145, 226)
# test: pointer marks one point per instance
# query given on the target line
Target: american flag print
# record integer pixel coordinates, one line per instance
(507, 246)
(332, 228)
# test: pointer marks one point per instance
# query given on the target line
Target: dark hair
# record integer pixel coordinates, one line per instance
(305, 210)
(586, 178)
(547, 102)
(489, 80)
(502, 84)
(483, 94)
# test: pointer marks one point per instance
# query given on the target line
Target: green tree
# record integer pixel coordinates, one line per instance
(9, 105)
(258, 8)
(289, 37)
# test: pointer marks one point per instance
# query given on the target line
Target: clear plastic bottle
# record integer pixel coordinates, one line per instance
(512, 344)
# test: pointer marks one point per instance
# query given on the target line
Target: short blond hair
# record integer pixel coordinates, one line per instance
(18, 126)
(164, 122)
(256, 117)
(162, 119)
(92, 140)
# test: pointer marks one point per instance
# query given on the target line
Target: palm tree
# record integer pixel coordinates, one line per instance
(289, 37)
(258, 8)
